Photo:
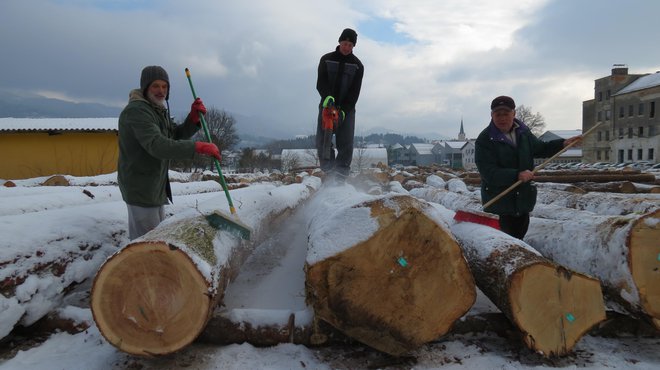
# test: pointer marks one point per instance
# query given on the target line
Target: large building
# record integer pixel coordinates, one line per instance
(626, 106)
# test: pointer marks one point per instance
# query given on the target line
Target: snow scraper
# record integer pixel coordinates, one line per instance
(218, 219)
(493, 220)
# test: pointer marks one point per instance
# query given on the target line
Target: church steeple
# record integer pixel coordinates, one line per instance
(461, 134)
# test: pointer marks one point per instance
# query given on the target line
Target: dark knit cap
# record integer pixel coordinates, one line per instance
(502, 102)
(151, 74)
(348, 35)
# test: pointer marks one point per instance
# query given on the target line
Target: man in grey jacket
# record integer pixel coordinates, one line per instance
(148, 140)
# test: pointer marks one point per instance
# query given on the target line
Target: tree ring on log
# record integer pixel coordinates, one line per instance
(644, 260)
(149, 300)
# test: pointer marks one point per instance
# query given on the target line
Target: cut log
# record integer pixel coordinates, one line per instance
(553, 307)
(155, 295)
(603, 177)
(394, 287)
(601, 203)
(622, 251)
(625, 187)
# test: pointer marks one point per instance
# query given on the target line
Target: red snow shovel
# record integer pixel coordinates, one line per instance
(492, 220)
(217, 219)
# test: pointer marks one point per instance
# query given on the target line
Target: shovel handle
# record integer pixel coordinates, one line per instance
(202, 120)
(539, 167)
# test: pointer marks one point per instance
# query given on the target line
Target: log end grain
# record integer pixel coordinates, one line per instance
(150, 299)
(644, 260)
(401, 288)
(554, 307)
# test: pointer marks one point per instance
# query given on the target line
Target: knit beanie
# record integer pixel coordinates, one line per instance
(348, 35)
(151, 74)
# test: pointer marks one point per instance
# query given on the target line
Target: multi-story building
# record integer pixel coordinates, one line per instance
(626, 106)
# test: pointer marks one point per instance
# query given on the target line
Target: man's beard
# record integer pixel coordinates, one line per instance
(154, 100)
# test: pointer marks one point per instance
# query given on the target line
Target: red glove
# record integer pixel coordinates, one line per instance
(207, 149)
(196, 108)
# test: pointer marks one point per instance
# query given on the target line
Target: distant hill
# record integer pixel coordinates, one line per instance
(35, 106)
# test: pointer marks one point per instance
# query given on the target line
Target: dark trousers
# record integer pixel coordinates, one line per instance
(344, 139)
(515, 226)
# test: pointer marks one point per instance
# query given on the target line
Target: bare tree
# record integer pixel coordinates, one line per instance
(290, 161)
(535, 122)
(223, 134)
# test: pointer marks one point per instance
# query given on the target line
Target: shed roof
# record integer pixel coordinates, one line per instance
(59, 124)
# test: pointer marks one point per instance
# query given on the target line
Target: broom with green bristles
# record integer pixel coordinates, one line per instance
(493, 220)
(217, 219)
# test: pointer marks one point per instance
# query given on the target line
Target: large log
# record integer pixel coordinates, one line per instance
(156, 294)
(382, 272)
(601, 203)
(552, 306)
(622, 251)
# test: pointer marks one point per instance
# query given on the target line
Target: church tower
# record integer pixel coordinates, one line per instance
(461, 134)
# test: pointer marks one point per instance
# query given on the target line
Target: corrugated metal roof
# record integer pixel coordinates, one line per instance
(641, 83)
(59, 124)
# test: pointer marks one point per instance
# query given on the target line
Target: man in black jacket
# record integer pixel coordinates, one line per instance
(504, 154)
(339, 81)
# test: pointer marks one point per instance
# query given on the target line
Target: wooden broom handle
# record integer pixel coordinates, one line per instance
(539, 167)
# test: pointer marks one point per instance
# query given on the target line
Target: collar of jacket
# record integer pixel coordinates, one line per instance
(136, 94)
(342, 56)
(496, 135)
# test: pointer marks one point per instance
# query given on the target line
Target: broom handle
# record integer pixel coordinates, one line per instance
(208, 138)
(539, 167)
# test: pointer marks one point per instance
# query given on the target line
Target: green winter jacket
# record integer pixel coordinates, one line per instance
(148, 140)
(499, 161)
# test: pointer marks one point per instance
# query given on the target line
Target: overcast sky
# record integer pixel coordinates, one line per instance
(428, 63)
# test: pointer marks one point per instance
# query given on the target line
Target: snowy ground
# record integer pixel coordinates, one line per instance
(272, 279)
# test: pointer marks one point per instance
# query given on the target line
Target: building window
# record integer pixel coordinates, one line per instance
(598, 155)
(620, 132)
(652, 109)
(607, 135)
(640, 131)
(641, 109)
(600, 116)
(600, 96)
(608, 94)
(608, 115)
(652, 131)
(650, 157)
(622, 112)
(630, 154)
(600, 136)
(640, 154)
(630, 132)
(631, 110)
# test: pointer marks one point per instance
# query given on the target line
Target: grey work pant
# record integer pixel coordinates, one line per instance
(141, 220)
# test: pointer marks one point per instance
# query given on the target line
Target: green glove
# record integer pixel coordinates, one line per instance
(329, 100)
(343, 115)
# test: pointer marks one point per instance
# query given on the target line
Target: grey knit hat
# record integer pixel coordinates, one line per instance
(151, 74)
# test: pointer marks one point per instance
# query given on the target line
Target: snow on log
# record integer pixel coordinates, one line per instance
(622, 251)
(601, 203)
(156, 294)
(552, 306)
(382, 272)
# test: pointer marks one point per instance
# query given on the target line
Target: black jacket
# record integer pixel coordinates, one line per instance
(499, 161)
(341, 77)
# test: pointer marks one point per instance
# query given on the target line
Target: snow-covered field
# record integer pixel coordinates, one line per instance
(272, 280)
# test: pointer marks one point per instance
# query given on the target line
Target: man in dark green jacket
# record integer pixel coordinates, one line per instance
(148, 140)
(504, 154)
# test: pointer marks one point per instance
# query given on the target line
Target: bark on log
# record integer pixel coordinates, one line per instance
(552, 306)
(622, 251)
(156, 294)
(636, 177)
(625, 187)
(402, 285)
(601, 203)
